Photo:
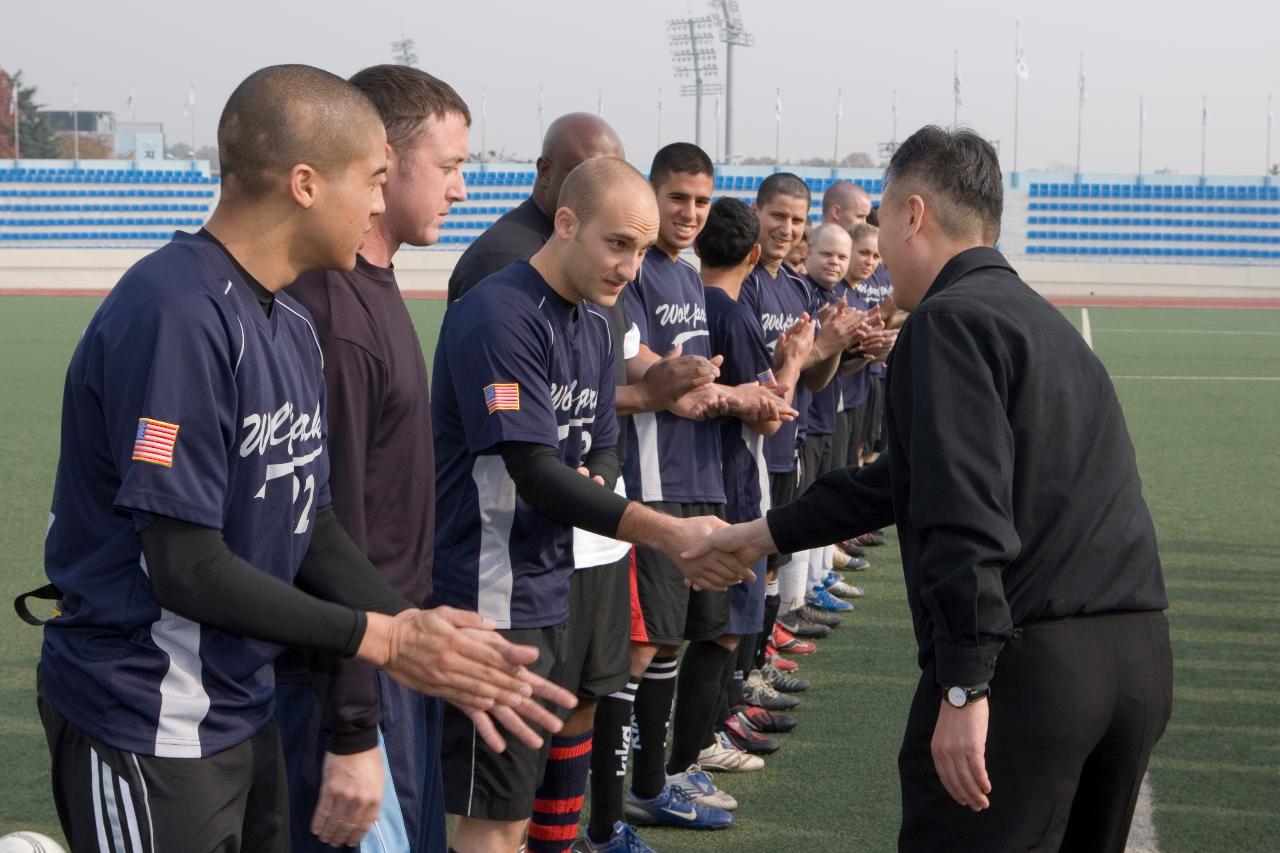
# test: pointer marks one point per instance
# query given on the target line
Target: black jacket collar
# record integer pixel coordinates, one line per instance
(970, 260)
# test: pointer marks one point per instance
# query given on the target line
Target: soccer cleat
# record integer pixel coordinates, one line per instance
(787, 643)
(782, 682)
(766, 721)
(757, 691)
(725, 757)
(786, 665)
(744, 737)
(818, 616)
(697, 783)
(623, 840)
(841, 589)
(798, 623)
(874, 539)
(824, 600)
(673, 807)
(831, 578)
(851, 548)
(839, 559)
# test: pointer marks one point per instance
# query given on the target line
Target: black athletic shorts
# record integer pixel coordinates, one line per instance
(872, 421)
(598, 650)
(481, 783)
(841, 441)
(815, 460)
(664, 611)
(782, 491)
(121, 802)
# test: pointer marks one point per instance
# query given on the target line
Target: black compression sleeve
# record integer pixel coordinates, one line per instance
(553, 489)
(335, 569)
(604, 463)
(195, 575)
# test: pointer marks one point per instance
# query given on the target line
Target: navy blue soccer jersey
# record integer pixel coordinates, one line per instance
(777, 302)
(183, 399)
(736, 334)
(820, 416)
(854, 387)
(874, 289)
(670, 458)
(515, 363)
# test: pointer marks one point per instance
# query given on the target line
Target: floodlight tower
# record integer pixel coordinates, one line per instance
(693, 54)
(729, 18)
(404, 51)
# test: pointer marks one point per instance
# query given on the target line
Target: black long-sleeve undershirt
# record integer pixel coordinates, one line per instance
(558, 491)
(196, 575)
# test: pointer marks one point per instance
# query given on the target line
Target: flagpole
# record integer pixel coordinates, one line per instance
(1204, 130)
(484, 125)
(718, 131)
(835, 149)
(1080, 116)
(1142, 118)
(777, 135)
(542, 130)
(1017, 81)
(659, 116)
(894, 137)
(1270, 119)
(955, 85)
(75, 126)
(133, 124)
(17, 119)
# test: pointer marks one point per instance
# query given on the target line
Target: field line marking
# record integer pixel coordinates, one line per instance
(1085, 329)
(1203, 378)
(1142, 832)
(1258, 333)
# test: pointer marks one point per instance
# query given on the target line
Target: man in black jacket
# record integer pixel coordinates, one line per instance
(1030, 557)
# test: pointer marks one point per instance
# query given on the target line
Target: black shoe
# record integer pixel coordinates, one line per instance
(762, 720)
(802, 626)
(821, 617)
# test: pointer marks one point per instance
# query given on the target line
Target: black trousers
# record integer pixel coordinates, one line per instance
(1076, 707)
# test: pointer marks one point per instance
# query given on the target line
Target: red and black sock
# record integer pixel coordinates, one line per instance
(557, 805)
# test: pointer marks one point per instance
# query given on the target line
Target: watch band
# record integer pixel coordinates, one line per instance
(959, 697)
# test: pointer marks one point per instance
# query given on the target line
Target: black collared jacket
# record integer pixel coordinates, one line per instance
(1010, 474)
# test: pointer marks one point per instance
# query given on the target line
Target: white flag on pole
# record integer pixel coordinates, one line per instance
(129, 101)
(955, 86)
(13, 96)
(1083, 95)
(777, 110)
(484, 103)
(600, 101)
(659, 101)
(1204, 110)
(717, 108)
(839, 105)
(75, 96)
(1021, 66)
(191, 100)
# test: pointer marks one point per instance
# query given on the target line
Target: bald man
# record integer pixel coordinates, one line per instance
(521, 231)
(192, 506)
(525, 447)
(846, 204)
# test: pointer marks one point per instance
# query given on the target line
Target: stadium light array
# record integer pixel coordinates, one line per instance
(729, 19)
(693, 54)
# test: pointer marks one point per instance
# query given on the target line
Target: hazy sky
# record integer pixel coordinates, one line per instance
(1173, 53)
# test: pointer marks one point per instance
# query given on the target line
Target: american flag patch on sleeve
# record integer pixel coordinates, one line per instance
(766, 379)
(154, 442)
(502, 397)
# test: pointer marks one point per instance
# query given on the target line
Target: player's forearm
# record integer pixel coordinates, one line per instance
(559, 492)
(820, 374)
(642, 525)
(633, 399)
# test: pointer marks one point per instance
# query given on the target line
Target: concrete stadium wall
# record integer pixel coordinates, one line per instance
(424, 273)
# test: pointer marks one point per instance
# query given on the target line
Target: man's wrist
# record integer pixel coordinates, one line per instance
(375, 646)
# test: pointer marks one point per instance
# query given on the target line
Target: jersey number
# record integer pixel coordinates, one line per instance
(304, 520)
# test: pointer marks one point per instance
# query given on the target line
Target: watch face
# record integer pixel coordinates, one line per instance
(957, 696)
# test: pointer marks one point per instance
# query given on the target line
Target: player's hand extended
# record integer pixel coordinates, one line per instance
(457, 655)
(674, 375)
(747, 542)
(350, 794)
(713, 570)
(959, 753)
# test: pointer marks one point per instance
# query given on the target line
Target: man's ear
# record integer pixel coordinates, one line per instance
(753, 257)
(916, 205)
(566, 223)
(304, 185)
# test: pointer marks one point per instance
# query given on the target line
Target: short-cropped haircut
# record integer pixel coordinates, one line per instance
(731, 231)
(406, 97)
(782, 183)
(958, 173)
(683, 157)
(593, 179)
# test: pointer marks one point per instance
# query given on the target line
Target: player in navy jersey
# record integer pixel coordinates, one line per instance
(191, 507)
(674, 464)
(846, 204)
(525, 435)
(728, 251)
(333, 711)
(779, 297)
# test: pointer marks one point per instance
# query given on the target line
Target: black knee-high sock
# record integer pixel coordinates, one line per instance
(649, 727)
(700, 683)
(722, 706)
(742, 662)
(771, 605)
(609, 760)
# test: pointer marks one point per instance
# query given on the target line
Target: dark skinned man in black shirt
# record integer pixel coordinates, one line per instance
(1030, 558)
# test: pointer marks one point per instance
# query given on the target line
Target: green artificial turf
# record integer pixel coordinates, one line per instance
(1207, 453)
